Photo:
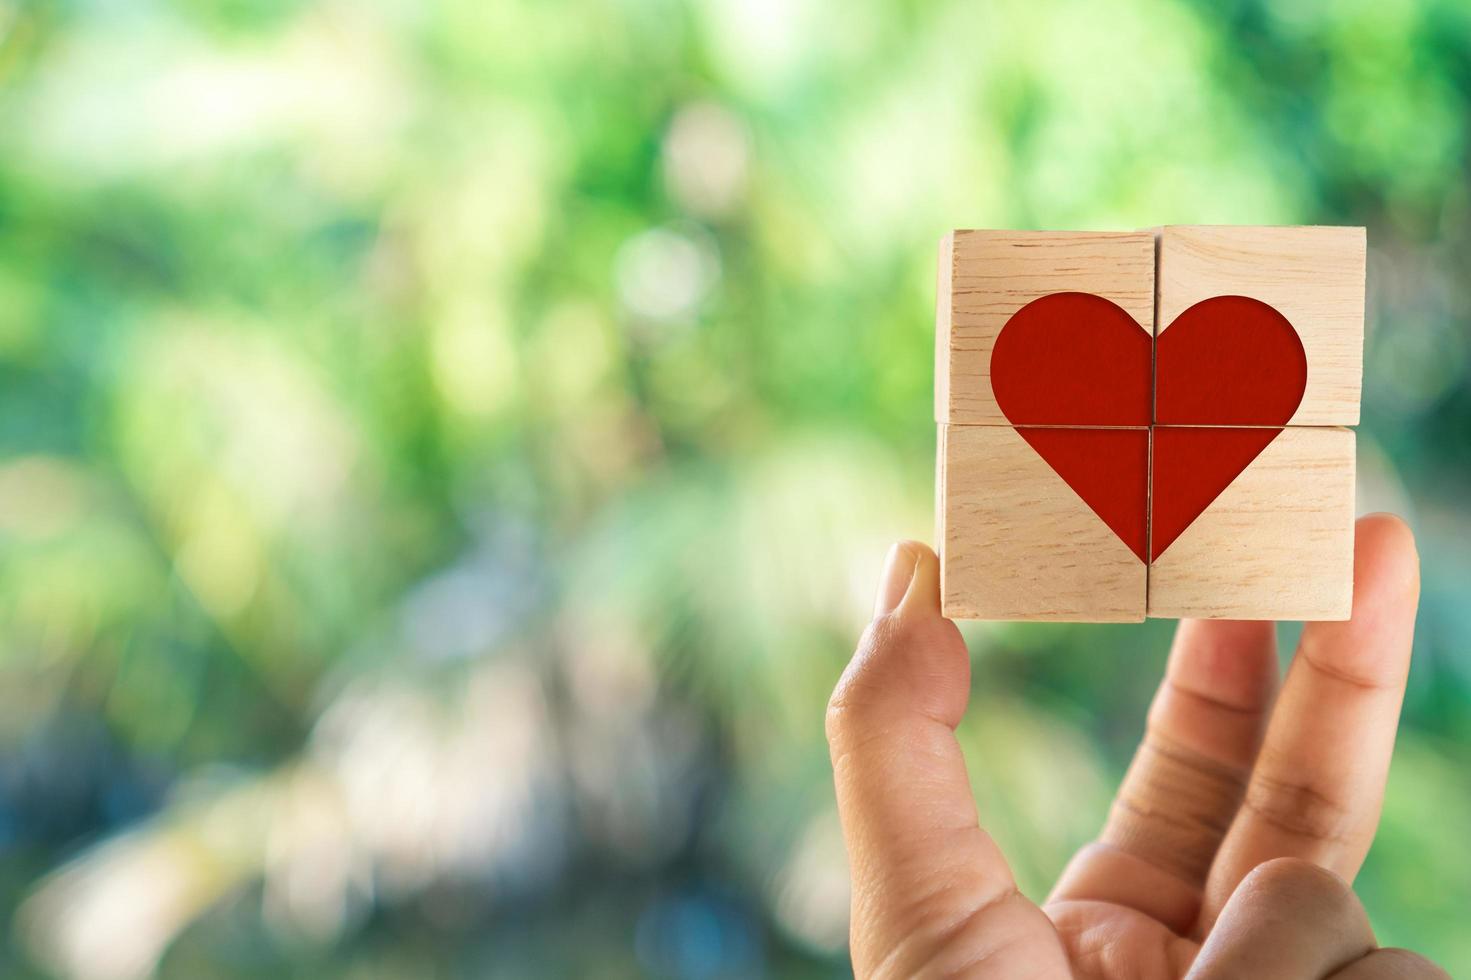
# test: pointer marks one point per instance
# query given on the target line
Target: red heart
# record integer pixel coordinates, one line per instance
(1231, 371)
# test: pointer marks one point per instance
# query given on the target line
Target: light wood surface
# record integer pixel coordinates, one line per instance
(1276, 544)
(1016, 543)
(986, 276)
(1312, 275)
(944, 305)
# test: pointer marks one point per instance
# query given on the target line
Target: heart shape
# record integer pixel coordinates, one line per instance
(1211, 394)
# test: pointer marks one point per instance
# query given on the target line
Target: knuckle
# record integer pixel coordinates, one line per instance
(1173, 807)
(889, 645)
(838, 723)
(855, 690)
(902, 667)
(1366, 669)
(1298, 808)
(963, 935)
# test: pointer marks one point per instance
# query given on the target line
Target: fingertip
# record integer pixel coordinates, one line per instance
(1294, 883)
(923, 594)
(909, 658)
(894, 582)
(1372, 648)
(1386, 560)
(1233, 662)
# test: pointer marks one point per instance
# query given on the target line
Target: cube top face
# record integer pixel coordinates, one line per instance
(1312, 276)
(986, 277)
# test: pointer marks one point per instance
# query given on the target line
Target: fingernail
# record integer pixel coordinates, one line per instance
(898, 572)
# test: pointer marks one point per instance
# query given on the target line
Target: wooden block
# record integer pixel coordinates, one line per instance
(1018, 542)
(1313, 276)
(1277, 543)
(1089, 471)
(987, 276)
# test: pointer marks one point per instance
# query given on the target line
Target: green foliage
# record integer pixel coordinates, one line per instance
(445, 449)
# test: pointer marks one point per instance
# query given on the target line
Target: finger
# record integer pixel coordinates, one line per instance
(1391, 964)
(1289, 919)
(927, 880)
(1318, 784)
(1187, 778)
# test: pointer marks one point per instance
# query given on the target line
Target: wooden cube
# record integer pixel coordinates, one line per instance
(1091, 470)
(1313, 276)
(1018, 542)
(1276, 543)
(987, 276)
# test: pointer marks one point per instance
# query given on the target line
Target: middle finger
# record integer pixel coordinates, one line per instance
(1187, 778)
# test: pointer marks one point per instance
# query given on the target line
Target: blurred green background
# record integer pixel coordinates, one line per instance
(446, 450)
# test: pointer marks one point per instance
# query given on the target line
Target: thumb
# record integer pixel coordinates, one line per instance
(931, 890)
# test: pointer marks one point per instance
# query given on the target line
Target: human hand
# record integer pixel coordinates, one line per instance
(1228, 848)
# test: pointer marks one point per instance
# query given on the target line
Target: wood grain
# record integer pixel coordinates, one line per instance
(1312, 275)
(986, 276)
(1276, 544)
(1016, 543)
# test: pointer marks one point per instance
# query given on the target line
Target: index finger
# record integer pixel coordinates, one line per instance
(1185, 783)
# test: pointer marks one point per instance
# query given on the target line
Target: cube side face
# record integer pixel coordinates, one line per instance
(1313, 276)
(986, 276)
(1017, 543)
(939, 538)
(1276, 544)
(944, 276)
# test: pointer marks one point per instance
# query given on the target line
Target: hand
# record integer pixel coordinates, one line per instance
(1182, 880)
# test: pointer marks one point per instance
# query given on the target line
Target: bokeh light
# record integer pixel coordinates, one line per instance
(447, 449)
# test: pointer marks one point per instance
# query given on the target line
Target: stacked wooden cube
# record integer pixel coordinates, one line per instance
(1095, 480)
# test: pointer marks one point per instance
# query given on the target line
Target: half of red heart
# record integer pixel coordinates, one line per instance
(1108, 469)
(1229, 360)
(1231, 372)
